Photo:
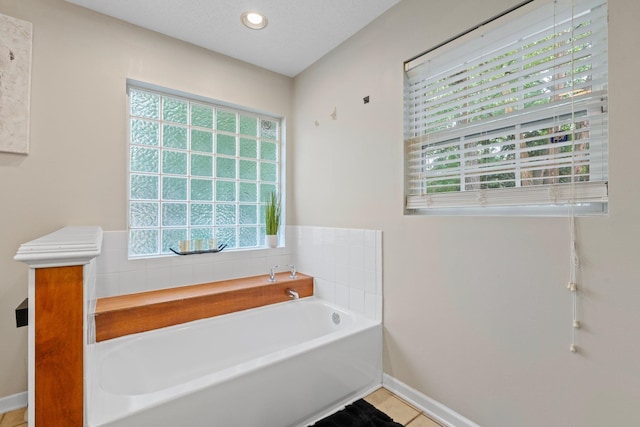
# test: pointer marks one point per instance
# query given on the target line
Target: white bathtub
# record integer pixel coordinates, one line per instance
(281, 365)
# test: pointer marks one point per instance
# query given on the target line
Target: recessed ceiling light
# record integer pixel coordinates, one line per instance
(254, 20)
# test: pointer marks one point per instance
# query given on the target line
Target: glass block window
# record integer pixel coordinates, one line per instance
(198, 170)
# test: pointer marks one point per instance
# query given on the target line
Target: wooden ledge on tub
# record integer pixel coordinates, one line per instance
(129, 314)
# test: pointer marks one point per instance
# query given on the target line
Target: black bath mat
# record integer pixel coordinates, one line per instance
(359, 414)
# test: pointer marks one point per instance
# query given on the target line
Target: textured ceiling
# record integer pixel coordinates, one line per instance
(299, 32)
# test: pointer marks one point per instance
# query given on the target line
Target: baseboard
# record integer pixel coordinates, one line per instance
(436, 410)
(15, 401)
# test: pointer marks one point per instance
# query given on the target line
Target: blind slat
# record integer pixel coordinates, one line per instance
(585, 192)
(546, 114)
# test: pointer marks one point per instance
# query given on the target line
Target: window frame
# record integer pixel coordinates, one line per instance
(262, 186)
(552, 199)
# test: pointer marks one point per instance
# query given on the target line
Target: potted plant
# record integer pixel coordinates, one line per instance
(272, 220)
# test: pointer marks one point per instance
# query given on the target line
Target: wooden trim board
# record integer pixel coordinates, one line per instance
(129, 314)
(59, 376)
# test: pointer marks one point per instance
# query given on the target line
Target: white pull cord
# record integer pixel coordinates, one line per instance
(573, 286)
(574, 262)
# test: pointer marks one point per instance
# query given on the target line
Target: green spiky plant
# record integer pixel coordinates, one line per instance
(272, 215)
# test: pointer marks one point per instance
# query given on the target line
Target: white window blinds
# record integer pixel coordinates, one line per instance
(512, 114)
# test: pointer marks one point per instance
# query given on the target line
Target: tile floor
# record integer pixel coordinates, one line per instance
(14, 418)
(383, 399)
(399, 410)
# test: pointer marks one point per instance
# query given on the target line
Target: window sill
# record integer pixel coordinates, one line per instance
(227, 252)
(589, 209)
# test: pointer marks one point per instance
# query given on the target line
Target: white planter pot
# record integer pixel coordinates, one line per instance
(271, 240)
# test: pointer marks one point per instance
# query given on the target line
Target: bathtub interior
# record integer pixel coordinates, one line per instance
(131, 366)
(302, 355)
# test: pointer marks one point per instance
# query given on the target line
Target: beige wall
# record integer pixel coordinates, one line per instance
(476, 311)
(75, 173)
(477, 314)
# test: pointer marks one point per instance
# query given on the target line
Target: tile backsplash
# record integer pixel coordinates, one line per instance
(345, 263)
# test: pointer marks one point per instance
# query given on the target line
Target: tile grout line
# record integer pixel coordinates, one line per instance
(413, 419)
(3, 417)
(420, 412)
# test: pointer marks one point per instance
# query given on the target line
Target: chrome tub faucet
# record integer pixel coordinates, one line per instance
(272, 274)
(293, 274)
(292, 294)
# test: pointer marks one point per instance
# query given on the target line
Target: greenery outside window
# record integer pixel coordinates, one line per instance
(198, 170)
(512, 115)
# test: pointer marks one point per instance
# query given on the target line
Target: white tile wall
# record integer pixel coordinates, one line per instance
(117, 275)
(345, 263)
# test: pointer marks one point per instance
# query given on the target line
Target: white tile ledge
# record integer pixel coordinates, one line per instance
(76, 245)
